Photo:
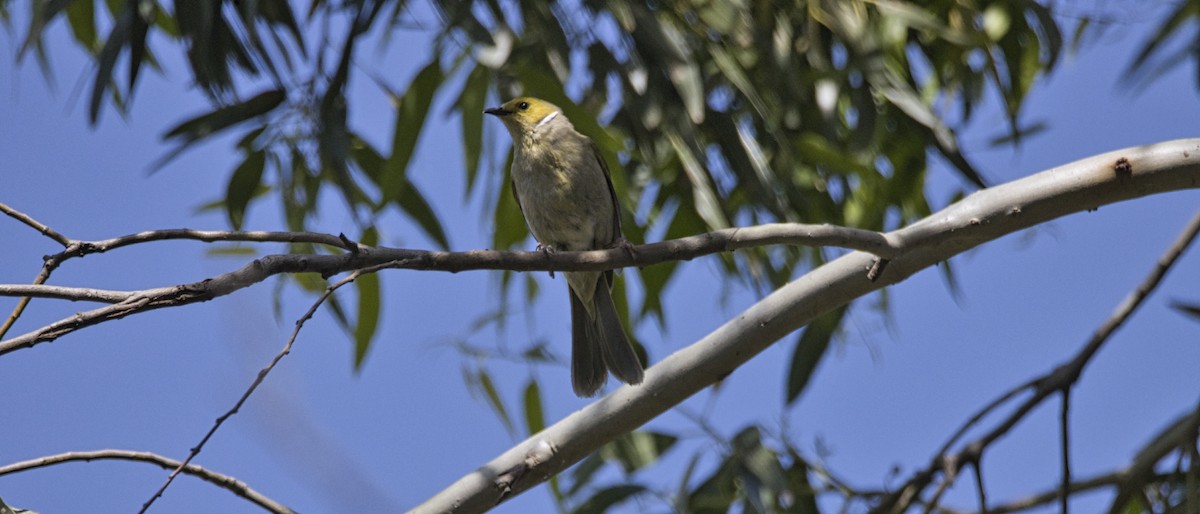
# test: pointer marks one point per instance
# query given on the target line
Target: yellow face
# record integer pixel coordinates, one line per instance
(522, 115)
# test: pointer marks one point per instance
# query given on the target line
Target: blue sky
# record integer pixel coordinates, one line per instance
(322, 438)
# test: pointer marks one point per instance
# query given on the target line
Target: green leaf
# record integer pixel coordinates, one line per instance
(484, 381)
(705, 198)
(210, 123)
(41, 17)
(637, 450)
(470, 108)
(243, 185)
(760, 474)
(279, 12)
(81, 16)
(813, 343)
(1192, 310)
(804, 498)
(410, 118)
(608, 497)
(369, 306)
(143, 13)
(509, 224)
(715, 494)
(535, 420)
(107, 60)
(582, 473)
(1155, 46)
(414, 205)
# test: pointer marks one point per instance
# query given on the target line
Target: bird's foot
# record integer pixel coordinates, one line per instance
(624, 244)
(546, 250)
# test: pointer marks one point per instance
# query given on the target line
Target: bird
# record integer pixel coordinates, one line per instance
(564, 191)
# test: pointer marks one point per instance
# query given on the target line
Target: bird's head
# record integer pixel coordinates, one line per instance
(525, 115)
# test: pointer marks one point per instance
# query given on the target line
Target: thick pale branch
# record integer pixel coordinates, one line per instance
(1058, 380)
(224, 481)
(981, 217)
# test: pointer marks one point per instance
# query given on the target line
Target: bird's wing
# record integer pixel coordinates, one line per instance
(512, 184)
(612, 193)
(616, 204)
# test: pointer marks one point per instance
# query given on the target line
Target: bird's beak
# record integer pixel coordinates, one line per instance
(497, 111)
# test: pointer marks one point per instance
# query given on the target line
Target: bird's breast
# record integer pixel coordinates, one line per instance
(565, 203)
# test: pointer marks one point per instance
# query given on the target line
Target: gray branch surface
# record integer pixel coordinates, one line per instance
(981, 217)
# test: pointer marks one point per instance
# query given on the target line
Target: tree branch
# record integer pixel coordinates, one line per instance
(35, 224)
(360, 257)
(75, 294)
(1059, 380)
(258, 380)
(224, 481)
(979, 218)
(46, 267)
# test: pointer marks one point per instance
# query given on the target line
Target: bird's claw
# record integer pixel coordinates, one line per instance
(624, 244)
(546, 250)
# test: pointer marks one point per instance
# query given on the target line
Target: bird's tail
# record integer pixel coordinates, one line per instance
(599, 344)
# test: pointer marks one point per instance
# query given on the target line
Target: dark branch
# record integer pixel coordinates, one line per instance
(364, 257)
(258, 380)
(223, 481)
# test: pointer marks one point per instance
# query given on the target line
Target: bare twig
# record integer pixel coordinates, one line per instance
(364, 257)
(980, 488)
(46, 267)
(258, 380)
(1097, 482)
(1065, 435)
(224, 481)
(1058, 380)
(66, 293)
(43, 275)
(35, 224)
(208, 236)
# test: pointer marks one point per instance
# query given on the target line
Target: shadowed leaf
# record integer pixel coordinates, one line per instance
(535, 419)
(212, 122)
(243, 185)
(813, 343)
(369, 306)
(410, 119)
(606, 498)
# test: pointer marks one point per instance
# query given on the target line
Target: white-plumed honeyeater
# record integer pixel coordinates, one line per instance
(563, 188)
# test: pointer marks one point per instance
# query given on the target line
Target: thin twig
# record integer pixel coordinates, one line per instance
(227, 482)
(43, 275)
(1097, 482)
(74, 294)
(1065, 435)
(977, 467)
(47, 267)
(35, 224)
(258, 380)
(983, 412)
(212, 236)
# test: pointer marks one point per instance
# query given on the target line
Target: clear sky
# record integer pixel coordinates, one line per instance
(320, 437)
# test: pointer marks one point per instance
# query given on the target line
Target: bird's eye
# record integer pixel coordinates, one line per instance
(524, 106)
